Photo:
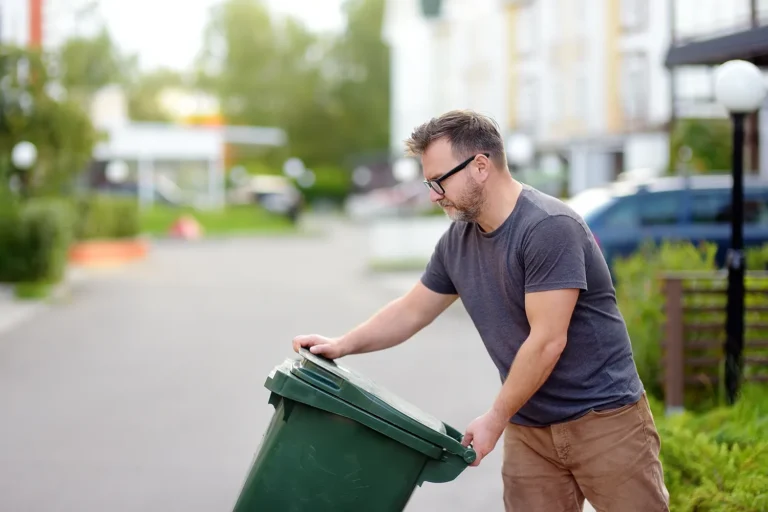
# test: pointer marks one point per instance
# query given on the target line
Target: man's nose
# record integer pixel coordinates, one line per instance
(434, 196)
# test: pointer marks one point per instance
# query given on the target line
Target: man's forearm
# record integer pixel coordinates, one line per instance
(392, 325)
(531, 368)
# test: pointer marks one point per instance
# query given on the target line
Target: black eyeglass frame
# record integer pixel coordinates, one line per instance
(435, 184)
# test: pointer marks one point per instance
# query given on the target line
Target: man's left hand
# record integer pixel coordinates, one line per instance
(483, 433)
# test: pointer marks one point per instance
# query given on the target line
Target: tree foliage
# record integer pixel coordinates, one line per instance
(59, 128)
(143, 94)
(86, 64)
(329, 92)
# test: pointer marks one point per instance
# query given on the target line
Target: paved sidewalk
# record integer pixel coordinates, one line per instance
(14, 312)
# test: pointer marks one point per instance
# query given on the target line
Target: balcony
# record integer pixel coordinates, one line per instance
(740, 31)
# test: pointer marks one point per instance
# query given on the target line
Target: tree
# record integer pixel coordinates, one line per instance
(329, 93)
(59, 128)
(88, 64)
(143, 94)
(240, 62)
(364, 71)
(709, 141)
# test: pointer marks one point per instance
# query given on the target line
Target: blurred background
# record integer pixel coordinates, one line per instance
(186, 185)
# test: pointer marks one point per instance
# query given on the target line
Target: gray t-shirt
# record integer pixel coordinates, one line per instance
(542, 245)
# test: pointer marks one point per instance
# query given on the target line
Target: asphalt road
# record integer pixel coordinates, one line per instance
(145, 390)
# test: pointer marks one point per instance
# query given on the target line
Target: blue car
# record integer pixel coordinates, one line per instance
(624, 215)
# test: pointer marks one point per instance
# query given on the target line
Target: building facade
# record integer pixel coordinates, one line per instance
(586, 81)
(455, 59)
(706, 34)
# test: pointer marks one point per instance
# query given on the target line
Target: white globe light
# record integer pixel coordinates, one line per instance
(362, 176)
(293, 168)
(307, 179)
(520, 149)
(24, 155)
(405, 169)
(740, 86)
(117, 171)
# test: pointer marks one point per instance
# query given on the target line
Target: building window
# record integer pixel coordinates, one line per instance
(634, 15)
(635, 88)
(526, 104)
(526, 30)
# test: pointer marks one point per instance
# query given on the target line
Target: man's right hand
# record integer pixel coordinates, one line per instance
(330, 348)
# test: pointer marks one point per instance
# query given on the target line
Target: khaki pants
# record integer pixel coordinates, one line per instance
(610, 457)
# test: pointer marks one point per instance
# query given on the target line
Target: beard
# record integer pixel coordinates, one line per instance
(468, 206)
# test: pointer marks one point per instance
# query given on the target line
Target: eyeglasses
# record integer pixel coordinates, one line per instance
(436, 185)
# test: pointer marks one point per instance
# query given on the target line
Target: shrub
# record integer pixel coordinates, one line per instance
(640, 297)
(34, 241)
(105, 217)
(331, 184)
(718, 460)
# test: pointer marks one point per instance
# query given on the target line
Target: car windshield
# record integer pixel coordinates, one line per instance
(589, 201)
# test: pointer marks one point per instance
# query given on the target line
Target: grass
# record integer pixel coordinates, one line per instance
(231, 220)
(32, 291)
(397, 265)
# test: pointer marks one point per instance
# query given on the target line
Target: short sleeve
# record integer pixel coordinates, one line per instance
(435, 276)
(554, 255)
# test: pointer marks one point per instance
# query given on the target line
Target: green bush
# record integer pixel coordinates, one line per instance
(331, 184)
(640, 297)
(34, 241)
(718, 461)
(105, 217)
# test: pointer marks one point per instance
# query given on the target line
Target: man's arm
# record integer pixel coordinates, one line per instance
(393, 324)
(549, 314)
(397, 321)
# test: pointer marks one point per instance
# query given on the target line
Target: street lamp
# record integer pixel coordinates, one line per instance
(23, 157)
(740, 88)
(520, 150)
(117, 172)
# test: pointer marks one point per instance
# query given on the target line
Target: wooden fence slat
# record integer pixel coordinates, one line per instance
(674, 369)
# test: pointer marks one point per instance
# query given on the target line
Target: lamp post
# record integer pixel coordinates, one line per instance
(740, 88)
(520, 150)
(23, 157)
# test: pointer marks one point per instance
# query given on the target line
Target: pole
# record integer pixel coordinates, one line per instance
(734, 345)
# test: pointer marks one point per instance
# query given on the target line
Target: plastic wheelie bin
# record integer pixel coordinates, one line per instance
(337, 442)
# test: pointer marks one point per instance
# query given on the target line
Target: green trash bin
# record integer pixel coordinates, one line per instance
(337, 442)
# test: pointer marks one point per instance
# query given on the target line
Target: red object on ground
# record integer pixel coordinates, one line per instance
(186, 227)
(107, 252)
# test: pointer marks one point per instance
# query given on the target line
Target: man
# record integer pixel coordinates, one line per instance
(572, 409)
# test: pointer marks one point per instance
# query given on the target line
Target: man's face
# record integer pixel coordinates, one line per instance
(464, 195)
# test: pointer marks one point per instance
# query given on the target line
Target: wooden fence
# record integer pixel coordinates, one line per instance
(694, 340)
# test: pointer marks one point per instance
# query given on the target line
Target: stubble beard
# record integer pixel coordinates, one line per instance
(468, 206)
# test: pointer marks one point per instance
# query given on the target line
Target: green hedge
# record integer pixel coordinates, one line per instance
(34, 241)
(717, 461)
(107, 217)
(332, 184)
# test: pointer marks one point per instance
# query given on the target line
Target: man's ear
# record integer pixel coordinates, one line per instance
(482, 168)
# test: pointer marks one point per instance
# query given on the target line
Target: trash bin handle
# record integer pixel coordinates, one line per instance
(465, 452)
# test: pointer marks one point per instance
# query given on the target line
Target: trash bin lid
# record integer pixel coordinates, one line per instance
(362, 392)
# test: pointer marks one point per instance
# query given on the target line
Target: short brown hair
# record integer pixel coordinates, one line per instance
(468, 132)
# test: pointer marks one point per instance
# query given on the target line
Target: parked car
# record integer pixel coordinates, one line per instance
(698, 208)
(276, 194)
